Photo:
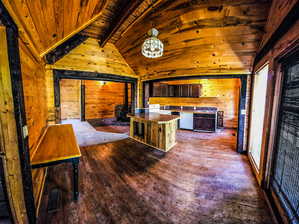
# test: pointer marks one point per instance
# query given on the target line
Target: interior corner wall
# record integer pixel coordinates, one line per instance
(35, 99)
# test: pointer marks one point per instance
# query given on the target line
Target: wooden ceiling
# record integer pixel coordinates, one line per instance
(45, 24)
(199, 36)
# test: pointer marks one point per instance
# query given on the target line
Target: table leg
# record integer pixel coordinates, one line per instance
(76, 179)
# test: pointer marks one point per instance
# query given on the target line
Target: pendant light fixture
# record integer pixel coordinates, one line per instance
(152, 46)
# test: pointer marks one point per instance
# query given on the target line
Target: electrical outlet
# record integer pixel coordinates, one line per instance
(25, 131)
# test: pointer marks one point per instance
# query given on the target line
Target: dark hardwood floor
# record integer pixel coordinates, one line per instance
(202, 180)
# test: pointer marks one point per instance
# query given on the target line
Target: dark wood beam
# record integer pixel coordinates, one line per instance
(124, 10)
(64, 48)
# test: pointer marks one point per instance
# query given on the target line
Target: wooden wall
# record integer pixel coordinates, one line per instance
(100, 100)
(89, 56)
(34, 86)
(220, 93)
(200, 37)
(70, 94)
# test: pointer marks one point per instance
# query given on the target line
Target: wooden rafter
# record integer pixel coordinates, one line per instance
(124, 10)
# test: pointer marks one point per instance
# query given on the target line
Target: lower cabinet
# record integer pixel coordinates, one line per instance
(204, 122)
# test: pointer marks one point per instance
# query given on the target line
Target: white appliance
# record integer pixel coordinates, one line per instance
(154, 108)
(165, 112)
(186, 121)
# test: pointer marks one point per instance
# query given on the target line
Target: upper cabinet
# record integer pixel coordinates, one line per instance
(182, 90)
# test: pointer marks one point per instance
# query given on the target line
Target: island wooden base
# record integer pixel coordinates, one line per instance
(161, 136)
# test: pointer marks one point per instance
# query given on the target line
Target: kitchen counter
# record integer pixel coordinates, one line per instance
(154, 129)
(155, 117)
(192, 111)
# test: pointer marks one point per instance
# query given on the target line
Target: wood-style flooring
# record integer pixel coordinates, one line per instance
(202, 180)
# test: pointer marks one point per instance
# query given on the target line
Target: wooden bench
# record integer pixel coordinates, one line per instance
(58, 145)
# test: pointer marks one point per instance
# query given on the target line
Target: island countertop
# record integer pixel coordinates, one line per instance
(155, 117)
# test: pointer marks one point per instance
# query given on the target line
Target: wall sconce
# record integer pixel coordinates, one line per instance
(102, 83)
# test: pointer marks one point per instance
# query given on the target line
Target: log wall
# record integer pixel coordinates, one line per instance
(220, 93)
(70, 94)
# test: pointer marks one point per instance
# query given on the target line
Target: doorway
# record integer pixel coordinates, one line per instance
(257, 115)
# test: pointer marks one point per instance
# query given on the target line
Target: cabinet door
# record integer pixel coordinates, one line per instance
(164, 90)
(195, 90)
(185, 90)
(156, 89)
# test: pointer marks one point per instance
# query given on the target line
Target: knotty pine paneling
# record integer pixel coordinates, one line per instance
(70, 93)
(34, 87)
(220, 93)
(45, 23)
(89, 56)
(200, 37)
(100, 100)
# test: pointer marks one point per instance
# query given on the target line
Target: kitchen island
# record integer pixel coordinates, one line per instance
(154, 129)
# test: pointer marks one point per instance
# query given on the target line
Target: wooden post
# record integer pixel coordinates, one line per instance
(83, 101)
(126, 95)
(57, 100)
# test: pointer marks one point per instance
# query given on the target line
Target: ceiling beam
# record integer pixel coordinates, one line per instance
(124, 10)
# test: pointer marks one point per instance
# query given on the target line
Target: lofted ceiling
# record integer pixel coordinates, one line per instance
(199, 36)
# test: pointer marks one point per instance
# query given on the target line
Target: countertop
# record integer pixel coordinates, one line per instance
(155, 117)
(192, 111)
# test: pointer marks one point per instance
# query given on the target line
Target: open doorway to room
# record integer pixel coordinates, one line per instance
(95, 104)
(103, 104)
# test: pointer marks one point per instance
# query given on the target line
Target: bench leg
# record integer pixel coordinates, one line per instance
(76, 179)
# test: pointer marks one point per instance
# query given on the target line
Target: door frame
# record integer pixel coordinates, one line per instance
(259, 172)
(240, 145)
(12, 36)
(275, 204)
(83, 75)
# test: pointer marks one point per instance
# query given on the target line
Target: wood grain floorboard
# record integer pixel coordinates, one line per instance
(202, 180)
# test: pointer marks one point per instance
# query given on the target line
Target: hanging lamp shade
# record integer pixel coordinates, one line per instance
(152, 46)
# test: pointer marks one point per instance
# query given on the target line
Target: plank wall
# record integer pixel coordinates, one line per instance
(34, 86)
(89, 56)
(100, 100)
(70, 93)
(220, 93)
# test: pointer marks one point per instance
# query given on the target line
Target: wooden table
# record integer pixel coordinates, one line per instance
(154, 129)
(58, 145)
